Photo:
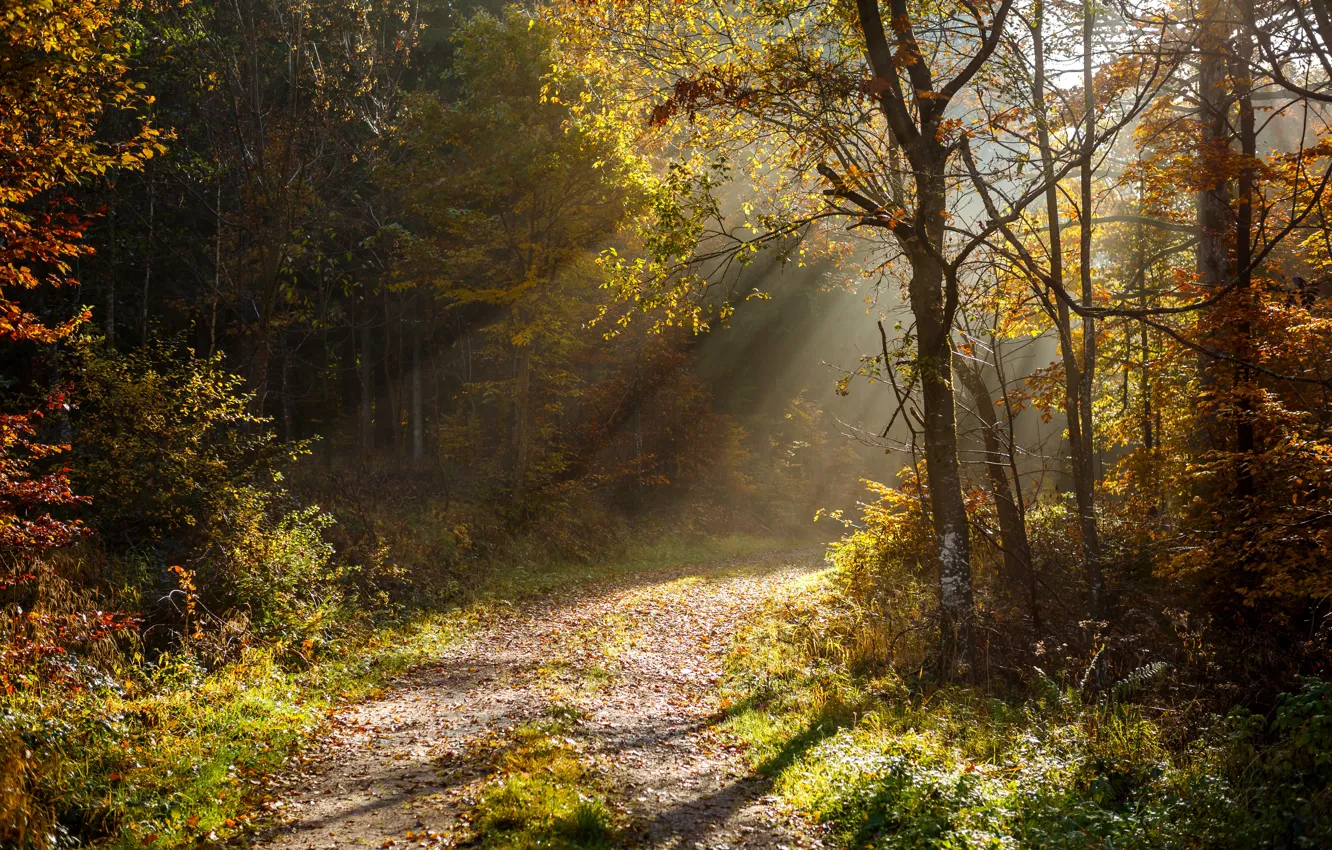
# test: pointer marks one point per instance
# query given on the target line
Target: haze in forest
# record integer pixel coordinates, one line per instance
(905, 424)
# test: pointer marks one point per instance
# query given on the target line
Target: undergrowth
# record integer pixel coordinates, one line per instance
(178, 755)
(886, 764)
(169, 753)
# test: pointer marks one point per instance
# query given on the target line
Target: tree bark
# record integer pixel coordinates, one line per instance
(386, 423)
(943, 471)
(1087, 503)
(418, 403)
(367, 373)
(1213, 205)
(110, 323)
(1245, 445)
(349, 383)
(148, 257)
(1012, 532)
(522, 424)
(1080, 467)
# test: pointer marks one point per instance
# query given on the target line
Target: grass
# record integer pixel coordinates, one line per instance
(884, 765)
(180, 755)
(176, 755)
(546, 792)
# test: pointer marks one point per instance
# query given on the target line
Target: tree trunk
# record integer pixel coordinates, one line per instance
(947, 506)
(217, 276)
(1012, 532)
(367, 372)
(288, 423)
(1213, 205)
(1245, 445)
(110, 323)
(1087, 448)
(148, 257)
(349, 383)
(1080, 467)
(522, 424)
(386, 424)
(263, 353)
(418, 402)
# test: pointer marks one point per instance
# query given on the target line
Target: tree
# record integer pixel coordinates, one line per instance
(787, 88)
(62, 69)
(505, 205)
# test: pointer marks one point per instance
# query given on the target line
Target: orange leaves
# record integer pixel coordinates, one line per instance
(62, 64)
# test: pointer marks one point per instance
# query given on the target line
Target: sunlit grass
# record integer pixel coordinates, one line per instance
(545, 792)
(180, 755)
(885, 765)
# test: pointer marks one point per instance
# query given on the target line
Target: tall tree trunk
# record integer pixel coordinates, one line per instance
(1245, 445)
(522, 421)
(259, 367)
(917, 122)
(288, 426)
(1213, 206)
(110, 320)
(148, 257)
(947, 506)
(365, 363)
(1144, 341)
(1012, 532)
(1080, 466)
(349, 384)
(386, 422)
(1087, 377)
(217, 275)
(418, 402)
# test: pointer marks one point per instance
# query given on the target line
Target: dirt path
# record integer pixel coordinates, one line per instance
(639, 658)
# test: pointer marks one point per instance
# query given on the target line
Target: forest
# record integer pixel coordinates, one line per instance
(595, 424)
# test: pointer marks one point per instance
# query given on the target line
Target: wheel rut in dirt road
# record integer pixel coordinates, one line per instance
(638, 659)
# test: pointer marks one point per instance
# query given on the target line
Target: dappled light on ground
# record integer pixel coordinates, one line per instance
(619, 677)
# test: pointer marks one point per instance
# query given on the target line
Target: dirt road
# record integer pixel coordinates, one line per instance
(639, 658)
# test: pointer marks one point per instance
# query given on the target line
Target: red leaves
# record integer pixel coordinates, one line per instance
(694, 93)
(24, 490)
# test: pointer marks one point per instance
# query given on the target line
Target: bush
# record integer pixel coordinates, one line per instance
(275, 565)
(159, 433)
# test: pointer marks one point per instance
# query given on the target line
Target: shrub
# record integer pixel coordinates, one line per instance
(159, 434)
(275, 565)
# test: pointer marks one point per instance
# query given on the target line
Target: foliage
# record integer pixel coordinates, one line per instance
(276, 566)
(163, 436)
(886, 766)
(25, 490)
(170, 754)
(886, 564)
(63, 67)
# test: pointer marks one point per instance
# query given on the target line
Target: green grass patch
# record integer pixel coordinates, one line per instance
(546, 793)
(180, 755)
(886, 766)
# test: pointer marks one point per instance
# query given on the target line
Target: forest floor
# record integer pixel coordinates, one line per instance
(587, 718)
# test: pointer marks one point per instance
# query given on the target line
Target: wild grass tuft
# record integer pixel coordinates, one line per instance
(545, 793)
(887, 765)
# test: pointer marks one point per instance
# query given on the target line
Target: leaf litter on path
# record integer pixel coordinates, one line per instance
(638, 657)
